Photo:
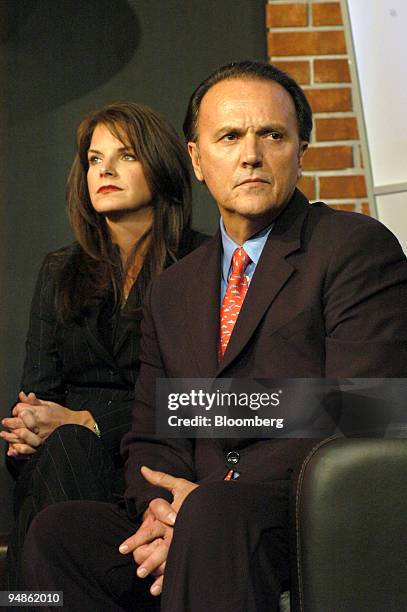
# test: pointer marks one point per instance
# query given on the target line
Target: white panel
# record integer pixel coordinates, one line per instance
(392, 211)
(379, 29)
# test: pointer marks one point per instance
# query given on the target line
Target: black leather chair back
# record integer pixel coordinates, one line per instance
(350, 532)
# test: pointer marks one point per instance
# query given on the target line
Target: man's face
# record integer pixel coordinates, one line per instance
(248, 150)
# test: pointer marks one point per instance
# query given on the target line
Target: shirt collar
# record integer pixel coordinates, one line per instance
(253, 247)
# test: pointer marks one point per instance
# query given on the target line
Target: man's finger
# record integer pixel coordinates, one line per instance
(159, 571)
(158, 556)
(163, 511)
(160, 479)
(144, 535)
(143, 552)
(157, 586)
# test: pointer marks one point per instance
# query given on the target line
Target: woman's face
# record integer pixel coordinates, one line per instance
(116, 180)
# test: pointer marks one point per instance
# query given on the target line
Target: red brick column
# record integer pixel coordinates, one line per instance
(306, 39)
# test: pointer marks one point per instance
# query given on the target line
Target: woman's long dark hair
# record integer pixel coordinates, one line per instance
(96, 270)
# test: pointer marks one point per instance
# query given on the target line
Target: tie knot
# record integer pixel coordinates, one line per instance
(240, 261)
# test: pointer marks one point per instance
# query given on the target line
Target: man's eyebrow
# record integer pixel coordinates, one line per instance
(272, 126)
(225, 129)
(267, 127)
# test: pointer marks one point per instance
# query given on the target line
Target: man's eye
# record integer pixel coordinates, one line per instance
(94, 159)
(230, 137)
(274, 135)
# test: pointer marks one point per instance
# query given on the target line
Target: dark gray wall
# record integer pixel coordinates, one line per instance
(58, 61)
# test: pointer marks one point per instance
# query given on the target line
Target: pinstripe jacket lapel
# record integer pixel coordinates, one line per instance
(95, 339)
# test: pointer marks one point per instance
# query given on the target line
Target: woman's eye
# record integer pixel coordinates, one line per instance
(129, 157)
(94, 159)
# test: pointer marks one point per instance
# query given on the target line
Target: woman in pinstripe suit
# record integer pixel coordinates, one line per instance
(129, 203)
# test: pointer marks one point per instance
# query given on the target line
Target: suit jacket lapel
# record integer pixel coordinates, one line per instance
(124, 330)
(93, 338)
(271, 274)
(202, 308)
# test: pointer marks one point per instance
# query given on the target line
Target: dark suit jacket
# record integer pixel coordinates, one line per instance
(328, 299)
(72, 365)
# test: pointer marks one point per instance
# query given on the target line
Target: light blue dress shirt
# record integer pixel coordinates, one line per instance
(253, 247)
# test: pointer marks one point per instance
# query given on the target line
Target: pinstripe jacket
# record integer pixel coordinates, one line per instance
(73, 366)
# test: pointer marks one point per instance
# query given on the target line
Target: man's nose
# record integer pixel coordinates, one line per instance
(252, 151)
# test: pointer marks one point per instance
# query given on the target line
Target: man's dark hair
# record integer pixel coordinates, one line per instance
(249, 70)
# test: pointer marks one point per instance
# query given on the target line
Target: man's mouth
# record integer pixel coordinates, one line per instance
(255, 180)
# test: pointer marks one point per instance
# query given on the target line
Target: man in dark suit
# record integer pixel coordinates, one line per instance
(321, 294)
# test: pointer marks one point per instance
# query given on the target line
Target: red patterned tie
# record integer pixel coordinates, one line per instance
(233, 300)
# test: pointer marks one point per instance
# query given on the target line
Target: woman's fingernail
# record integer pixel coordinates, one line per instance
(123, 548)
(155, 589)
(171, 518)
(141, 572)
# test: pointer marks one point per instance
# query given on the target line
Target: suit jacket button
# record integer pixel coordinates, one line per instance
(233, 457)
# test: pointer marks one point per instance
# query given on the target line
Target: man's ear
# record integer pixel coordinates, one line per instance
(301, 152)
(193, 151)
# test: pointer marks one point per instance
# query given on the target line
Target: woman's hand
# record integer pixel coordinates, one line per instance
(34, 420)
(22, 436)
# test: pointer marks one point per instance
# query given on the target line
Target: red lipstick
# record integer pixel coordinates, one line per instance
(108, 189)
